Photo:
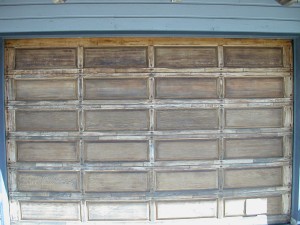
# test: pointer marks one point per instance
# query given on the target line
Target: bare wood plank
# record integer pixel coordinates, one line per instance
(187, 149)
(45, 58)
(186, 209)
(141, 41)
(115, 89)
(116, 151)
(29, 120)
(254, 118)
(50, 211)
(254, 147)
(258, 57)
(116, 57)
(186, 88)
(47, 151)
(260, 177)
(187, 119)
(109, 120)
(186, 180)
(53, 181)
(254, 88)
(116, 181)
(46, 89)
(186, 57)
(116, 211)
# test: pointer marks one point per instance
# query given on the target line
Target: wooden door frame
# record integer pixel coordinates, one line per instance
(295, 208)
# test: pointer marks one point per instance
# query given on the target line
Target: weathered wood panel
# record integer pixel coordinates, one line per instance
(50, 211)
(46, 89)
(152, 130)
(47, 58)
(116, 57)
(110, 120)
(29, 120)
(115, 89)
(254, 148)
(254, 118)
(47, 151)
(186, 209)
(116, 181)
(53, 181)
(253, 206)
(186, 88)
(186, 180)
(186, 57)
(116, 151)
(187, 119)
(259, 177)
(255, 57)
(109, 211)
(189, 149)
(254, 88)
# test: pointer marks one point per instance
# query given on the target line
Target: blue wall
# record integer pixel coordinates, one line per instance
(141, 16)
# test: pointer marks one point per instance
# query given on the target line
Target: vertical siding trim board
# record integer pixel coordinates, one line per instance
(296, 154)
(4, 214)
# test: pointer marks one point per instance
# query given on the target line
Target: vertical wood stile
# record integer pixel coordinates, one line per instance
(286, 203)
(287, 147)
(10, 93)
(83, 210)
(151, 62)
(220, 213)
(288, 117)
(220, 56)
(9, 60)
(288, 86)
(287, 56)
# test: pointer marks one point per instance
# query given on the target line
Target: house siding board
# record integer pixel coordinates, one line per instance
(187, 16)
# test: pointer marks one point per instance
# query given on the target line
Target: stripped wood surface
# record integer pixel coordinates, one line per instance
(149, 129)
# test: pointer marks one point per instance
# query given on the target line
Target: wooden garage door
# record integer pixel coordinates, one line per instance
(149, 130)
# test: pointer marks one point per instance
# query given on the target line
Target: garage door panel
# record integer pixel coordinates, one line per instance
(270, 205)
(149, 130)
(47, 151)
(254, 118)
(189, 149)
(46, 120)
(46, 58)
(257, 57)
(184, 119)
(50, 210)
(116, 151)
(117, 120)
(116, 182)
(249, 178)
(110, 89)
(115, 211)
(254, 147)
(186, 88)
(46, 90)
(186, 209)
(50, 181)
(186, 180)
(254, 88)
(116, 57)
(186, 57)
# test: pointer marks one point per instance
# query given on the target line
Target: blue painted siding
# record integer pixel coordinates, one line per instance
(296, 156)
(264, 16)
